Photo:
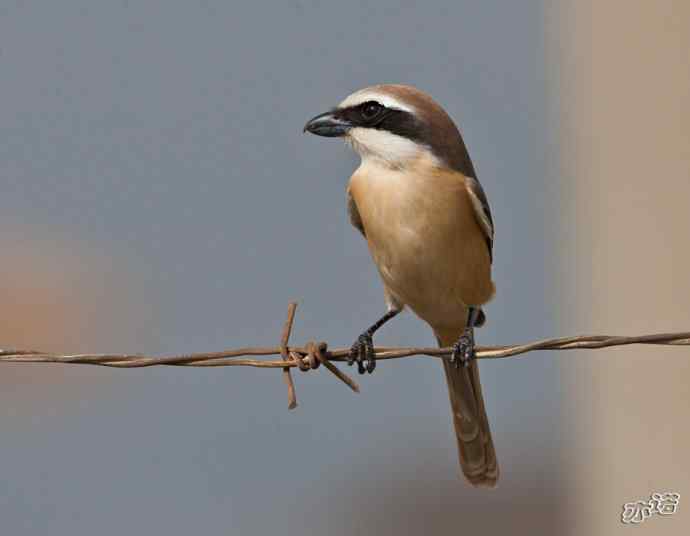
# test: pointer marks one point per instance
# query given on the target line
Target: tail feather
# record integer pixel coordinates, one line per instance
(475, 446)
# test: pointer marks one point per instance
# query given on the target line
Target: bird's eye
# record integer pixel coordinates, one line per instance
(370, 110)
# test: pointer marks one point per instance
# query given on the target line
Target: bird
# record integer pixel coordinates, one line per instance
(416, 200)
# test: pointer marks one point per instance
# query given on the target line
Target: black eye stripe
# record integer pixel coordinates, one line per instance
(398, 122)
(365, 114)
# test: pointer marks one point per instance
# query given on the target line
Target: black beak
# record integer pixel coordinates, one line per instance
(328, 124)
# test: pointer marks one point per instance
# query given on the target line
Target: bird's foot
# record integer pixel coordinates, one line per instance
(463, 350)
(362, 351)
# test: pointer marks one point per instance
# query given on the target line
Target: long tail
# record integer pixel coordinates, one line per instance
(475, 446)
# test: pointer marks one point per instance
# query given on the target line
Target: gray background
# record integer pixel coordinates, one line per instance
(164, 140)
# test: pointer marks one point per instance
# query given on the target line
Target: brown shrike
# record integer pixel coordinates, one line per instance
(417, 201)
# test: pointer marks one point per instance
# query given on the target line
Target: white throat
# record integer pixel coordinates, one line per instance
(383, 147)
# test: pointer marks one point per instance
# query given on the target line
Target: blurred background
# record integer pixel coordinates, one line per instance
(158, 196)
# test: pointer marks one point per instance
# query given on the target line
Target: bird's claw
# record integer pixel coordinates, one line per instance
(463, 350)
(362, 351)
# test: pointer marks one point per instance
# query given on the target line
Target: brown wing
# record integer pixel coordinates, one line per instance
(353, 213)
(482, 211)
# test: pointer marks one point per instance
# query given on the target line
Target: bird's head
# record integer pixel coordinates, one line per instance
(395, 124)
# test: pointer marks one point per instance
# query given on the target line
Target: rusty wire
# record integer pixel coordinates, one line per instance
(314, 354)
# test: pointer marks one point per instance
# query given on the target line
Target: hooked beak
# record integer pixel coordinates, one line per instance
(328, 125)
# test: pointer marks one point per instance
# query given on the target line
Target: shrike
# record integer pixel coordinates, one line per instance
(417, 201)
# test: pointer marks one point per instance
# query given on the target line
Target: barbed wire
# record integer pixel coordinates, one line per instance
(314, 354)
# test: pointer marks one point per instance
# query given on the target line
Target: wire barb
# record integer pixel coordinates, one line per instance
(321, 350)
(284, 353)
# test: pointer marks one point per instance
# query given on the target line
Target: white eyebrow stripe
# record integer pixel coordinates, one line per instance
(387, 100)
